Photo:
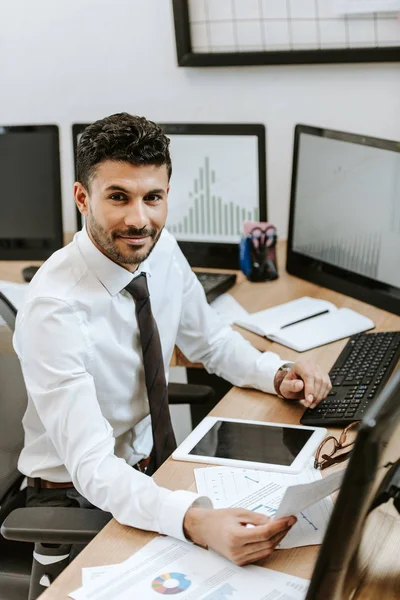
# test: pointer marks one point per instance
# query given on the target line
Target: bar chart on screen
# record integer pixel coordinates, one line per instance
(208, 213)
(214, 186)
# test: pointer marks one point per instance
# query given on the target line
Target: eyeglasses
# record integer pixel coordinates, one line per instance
(330, 446)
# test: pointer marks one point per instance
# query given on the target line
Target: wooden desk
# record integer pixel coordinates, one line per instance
(379, 550)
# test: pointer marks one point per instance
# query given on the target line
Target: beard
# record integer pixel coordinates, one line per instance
(107, 241)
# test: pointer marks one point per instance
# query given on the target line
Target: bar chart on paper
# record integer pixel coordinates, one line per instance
(214, 187)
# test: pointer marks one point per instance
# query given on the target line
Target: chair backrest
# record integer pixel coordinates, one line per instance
(8, 311)
(13, 400)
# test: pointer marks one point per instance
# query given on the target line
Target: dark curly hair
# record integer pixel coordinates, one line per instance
(124, 138)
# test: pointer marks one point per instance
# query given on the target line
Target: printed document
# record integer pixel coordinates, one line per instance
(168, 566)
(305, 495)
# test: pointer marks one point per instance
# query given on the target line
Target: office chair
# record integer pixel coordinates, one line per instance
(46, 532)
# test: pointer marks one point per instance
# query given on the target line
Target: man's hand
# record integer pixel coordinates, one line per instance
(225, 531)
(305, 382)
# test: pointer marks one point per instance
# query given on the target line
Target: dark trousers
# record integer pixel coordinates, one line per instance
(68, 497)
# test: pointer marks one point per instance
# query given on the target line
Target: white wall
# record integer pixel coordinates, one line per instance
(78, 60)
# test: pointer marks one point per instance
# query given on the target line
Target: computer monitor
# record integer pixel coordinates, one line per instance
(30, 207)
(372, 475)
(344, 227)
(218, 181)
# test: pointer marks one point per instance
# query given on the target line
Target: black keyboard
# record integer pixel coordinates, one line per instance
(359, 374)
(215, 284)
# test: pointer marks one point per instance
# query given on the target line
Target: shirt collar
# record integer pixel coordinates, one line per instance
(111, 275)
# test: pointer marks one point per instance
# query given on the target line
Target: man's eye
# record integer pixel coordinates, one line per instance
(153, 198)
(118, 197)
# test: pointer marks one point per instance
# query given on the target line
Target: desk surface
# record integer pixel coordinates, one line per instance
(379, 549)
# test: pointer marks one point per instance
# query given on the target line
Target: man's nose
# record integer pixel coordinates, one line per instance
(136, 215)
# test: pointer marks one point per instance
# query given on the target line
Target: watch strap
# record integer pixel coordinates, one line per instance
(280, 376)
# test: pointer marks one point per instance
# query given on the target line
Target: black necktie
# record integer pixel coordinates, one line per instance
(163, 435)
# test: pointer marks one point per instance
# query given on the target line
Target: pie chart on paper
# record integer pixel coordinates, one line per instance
(170, 583)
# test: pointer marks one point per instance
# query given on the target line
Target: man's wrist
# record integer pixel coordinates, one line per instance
(192, 525)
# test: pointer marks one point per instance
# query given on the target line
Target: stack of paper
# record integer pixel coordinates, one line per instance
(305, 495)
(168, 566)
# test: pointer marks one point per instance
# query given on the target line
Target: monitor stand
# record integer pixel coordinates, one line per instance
(389, 488)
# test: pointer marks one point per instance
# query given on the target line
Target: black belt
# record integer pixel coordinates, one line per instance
(141, 466)
(49, 485)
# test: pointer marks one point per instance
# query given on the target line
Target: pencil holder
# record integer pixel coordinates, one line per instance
(257, 251)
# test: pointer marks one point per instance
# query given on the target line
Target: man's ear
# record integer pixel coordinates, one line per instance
(81, 198)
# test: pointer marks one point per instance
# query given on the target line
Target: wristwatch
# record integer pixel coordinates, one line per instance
(280, 376)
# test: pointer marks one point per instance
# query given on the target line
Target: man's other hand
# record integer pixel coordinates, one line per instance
(225, 532)
(306, 382)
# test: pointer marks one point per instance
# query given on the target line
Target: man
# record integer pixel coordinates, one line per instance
(89, 337)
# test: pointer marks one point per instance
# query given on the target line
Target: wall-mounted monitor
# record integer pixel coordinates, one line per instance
(30, 201)
(344, 228)
(218, 181)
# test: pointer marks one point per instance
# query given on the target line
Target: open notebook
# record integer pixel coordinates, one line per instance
(301, 324)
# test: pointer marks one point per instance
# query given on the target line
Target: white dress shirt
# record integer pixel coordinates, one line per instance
(87, 419)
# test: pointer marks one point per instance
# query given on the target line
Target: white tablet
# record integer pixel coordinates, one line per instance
(251, 444)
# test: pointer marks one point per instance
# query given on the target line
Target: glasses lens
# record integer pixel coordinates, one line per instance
(329, 447)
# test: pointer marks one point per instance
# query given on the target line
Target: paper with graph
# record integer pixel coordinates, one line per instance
(166, 566)
(262, 491)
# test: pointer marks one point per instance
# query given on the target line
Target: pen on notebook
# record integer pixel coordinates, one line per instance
(323, 312)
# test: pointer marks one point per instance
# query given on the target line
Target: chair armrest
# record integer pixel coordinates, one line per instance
(54, 525)
(189, 393)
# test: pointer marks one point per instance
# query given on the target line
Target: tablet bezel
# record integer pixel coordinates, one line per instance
(183, 450)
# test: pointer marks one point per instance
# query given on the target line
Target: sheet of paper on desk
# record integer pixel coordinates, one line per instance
(229, 309)
(90, 574)
(225, 485)
(290, 581)
(169, 566)
(299, 497)
(263, 492)
(311, 522)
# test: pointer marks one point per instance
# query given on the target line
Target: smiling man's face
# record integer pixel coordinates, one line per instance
(125, 209)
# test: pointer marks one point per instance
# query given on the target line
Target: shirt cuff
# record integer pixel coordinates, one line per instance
(267, 365)
(173, 512)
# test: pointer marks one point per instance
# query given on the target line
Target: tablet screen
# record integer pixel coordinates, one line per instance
(275, 445)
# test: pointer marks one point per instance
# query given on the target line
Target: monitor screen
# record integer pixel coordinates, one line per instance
(218, 181)
(214, 186)
(30, 207)
(371, 478)
(345, 213)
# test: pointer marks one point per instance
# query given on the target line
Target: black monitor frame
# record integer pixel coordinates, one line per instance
(369, 481)
(28, 249)
(211, 254)
(341, 280)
